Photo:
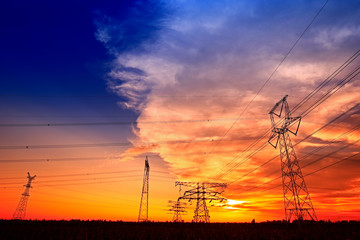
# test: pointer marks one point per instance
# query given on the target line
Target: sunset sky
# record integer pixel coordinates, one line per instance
(90, 88)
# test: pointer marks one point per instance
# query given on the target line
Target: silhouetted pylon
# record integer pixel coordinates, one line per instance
(178, 209)
(20, 211)
(297, 202)
(144, 202)
(202, 192)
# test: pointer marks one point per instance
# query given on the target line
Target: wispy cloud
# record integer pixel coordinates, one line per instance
(207, 60)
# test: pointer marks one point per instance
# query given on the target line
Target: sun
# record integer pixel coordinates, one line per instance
(233, 204)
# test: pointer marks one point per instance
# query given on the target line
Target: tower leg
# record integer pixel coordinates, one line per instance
(201, 213)
(297, 202)
(144, 202)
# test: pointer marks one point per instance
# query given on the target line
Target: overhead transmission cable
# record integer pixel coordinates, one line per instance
(308, 174)
(271, 75)
(325, 96)
(316, 160)
(85, 174)
(308, 154)
(326, 81)
(87, 180)
(302, 158)
(68, 124)
(91, 158)
(87, 145)
(307, 137)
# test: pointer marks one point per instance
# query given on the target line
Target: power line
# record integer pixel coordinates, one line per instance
(91, 181)
(336, 88)
(158, 179)
(87, 145)
(105, 195)
(81, 145)
(327, 155)
(86, 174)
(302, 158)
(332, 164)
(320, 169)
(272, 74)
(114, 96)
(257, 150)
(327, 80)
(71, 197)
(316, 131)
(344, 159)
(68, 124)
(74, 180)
(325, 96)
(55, 159)
(91, 158)
(330, 92)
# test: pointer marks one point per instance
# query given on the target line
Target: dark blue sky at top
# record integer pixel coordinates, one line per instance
(50, 55)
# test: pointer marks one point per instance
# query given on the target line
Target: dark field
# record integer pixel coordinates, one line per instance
(12, 229)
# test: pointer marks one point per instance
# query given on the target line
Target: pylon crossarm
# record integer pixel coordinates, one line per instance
(186, 184)
(205, 184)
(274, 135)
(206, 198)
(281, 102)
(292, 121)
(186, 195)
(188, 198)
(215, 185)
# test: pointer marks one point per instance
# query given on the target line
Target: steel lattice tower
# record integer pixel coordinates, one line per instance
(144, 203)
(178, 208)
(201, 192)
(20, 211)
(297, 202)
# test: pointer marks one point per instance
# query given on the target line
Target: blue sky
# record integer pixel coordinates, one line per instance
(65, 48)
(51, 60)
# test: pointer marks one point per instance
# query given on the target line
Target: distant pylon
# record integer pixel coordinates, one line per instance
(144, 203)
(201, 192)
(201, 213)
(178, 208)
(297, 202)
(20, 211)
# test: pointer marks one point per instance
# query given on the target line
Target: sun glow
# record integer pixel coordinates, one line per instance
(233, 204)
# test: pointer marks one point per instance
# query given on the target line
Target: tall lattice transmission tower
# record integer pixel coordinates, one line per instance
(144, 203)
(297, 202)
(20, 211)
(202, 192)
(178, 209)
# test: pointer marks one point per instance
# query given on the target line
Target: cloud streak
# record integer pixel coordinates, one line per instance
(208, 61)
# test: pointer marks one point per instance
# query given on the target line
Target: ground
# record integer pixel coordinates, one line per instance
(76, 229)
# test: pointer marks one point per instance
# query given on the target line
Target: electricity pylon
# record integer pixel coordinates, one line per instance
(297, 202)
(20, 211)
(178, 208)
(144, 203)
(202, 192)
